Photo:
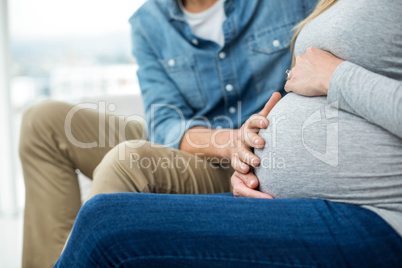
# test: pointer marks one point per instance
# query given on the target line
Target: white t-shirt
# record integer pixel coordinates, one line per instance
(207, 24)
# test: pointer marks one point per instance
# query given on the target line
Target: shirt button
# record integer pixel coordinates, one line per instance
(195, 42)
(222, 55)
(276, 43)
(171, 62)
(229, 87)
(232, 110)
(218, 127)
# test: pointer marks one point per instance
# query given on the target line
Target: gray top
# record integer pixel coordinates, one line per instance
(353, 154)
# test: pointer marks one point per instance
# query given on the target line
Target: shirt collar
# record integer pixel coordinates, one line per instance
(175, 11)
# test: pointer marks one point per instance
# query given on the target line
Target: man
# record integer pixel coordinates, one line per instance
(205, 67)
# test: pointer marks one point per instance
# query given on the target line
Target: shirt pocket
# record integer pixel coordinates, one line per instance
(270, 57)
(183, 72)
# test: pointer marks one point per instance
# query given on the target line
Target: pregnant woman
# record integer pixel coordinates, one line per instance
(332, 161)
(353, 154)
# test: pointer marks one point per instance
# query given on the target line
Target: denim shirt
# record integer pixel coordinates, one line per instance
(187, 81)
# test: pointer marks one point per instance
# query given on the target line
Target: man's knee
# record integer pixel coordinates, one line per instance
(40, 118)
(128, 154)
(45, 113)
(126, 168)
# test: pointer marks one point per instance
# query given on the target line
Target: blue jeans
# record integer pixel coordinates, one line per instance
(151, 230)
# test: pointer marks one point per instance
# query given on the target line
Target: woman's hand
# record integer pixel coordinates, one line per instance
(244, 185)
(312, 73)
(246, 138)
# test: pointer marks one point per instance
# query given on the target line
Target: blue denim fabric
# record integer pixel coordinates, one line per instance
(184, 81)
(150, 230)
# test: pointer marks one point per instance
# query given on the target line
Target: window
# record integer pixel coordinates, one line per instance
(70, 51)
(64, 50)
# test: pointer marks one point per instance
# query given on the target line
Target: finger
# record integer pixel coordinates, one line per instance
(289, 86)
(241, 190)
(249, 179)
(254, 140)
(299, 59)
(275, 98)
(289, 74)
(257, 121)
(246, 156)
(239, 165)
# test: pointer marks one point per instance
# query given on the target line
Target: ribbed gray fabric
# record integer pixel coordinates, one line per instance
(351, 155)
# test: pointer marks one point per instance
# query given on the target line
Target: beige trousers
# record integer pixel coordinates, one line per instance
(118, 160)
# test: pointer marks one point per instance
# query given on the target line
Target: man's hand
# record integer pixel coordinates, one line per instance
(236, 145)
(244, 185)
(246, 137)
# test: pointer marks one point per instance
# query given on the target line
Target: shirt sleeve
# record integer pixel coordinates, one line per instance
(374, 97)
(167, 113)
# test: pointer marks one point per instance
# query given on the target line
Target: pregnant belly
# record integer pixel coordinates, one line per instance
(314, 150)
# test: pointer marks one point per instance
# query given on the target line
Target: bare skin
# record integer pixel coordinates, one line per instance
(312, 73)
(196, 6)
(235, 144)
